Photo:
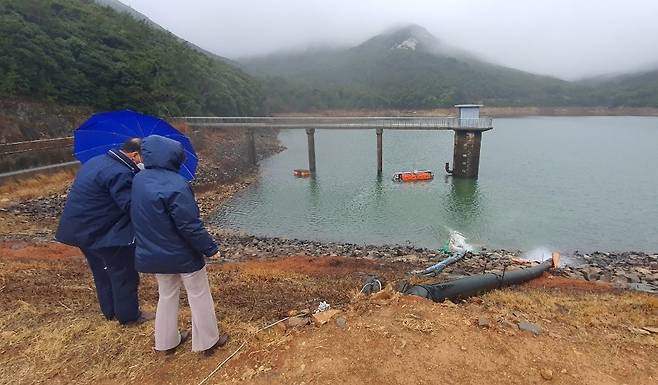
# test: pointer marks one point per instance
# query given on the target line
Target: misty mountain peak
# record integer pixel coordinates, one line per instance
(409, 44)
(412, 37)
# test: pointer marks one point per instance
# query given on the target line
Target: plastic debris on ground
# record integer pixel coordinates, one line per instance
(323, 306)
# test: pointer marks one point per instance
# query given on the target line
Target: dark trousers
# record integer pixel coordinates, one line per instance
(116, 282)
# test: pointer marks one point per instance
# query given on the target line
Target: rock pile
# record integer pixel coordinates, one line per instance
(633, 269)
(47, 207)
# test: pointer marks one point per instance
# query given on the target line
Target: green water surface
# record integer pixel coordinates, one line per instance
(566, 183)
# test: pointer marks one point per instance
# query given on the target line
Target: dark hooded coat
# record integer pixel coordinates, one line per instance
(170, 236)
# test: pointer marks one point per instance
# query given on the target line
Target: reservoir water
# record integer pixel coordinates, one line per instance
(565, 183)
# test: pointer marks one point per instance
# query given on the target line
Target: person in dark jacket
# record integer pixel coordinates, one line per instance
(96, 219)
(171, 241)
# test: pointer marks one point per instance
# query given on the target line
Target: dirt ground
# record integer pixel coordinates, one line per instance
(52, 331)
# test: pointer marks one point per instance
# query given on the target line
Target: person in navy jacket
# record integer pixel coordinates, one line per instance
(96, 219)
(172, 242)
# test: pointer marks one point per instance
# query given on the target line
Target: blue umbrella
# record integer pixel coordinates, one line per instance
(107, 130)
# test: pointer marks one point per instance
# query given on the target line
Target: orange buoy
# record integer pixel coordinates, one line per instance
(413, 176)
(302, 173)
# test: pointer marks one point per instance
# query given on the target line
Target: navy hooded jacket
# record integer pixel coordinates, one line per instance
(170, 236)
(97, 212)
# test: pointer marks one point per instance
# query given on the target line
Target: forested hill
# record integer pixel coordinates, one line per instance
(632, 90)
(123, 8)
(404, 68)
(77, 52)
(408, 68)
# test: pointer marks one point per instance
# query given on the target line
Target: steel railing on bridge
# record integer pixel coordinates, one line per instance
(323, 122)
(31, 155)
(35, 145)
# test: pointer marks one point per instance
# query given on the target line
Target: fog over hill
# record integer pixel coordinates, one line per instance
(563, 38)
(405, 68)
(313, 54)
(136, 57)
(410, 68)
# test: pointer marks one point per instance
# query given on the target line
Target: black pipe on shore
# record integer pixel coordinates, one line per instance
(477, 284)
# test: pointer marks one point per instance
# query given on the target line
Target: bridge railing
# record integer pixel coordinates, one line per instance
(394, 123)
(25, 158)
(35, 145)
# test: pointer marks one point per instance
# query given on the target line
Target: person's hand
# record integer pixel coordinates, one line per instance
(215, 257)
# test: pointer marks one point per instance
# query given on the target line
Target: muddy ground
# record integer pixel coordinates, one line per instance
(52, 331)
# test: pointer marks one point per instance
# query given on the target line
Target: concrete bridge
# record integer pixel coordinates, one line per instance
(468, 128)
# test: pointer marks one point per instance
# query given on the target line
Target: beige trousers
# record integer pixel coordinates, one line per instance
(204, 321)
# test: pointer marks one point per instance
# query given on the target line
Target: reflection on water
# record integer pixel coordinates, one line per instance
(314, 191)
(463, 203)
(536, 188)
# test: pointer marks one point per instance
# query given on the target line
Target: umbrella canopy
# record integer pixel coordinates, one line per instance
(107, 130)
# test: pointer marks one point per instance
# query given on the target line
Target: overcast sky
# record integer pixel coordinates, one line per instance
(564, 38)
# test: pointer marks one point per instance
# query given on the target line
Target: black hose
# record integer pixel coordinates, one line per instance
(476, 284)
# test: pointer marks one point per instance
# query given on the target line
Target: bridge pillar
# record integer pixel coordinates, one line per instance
(310, 134)
(251, 147)
(380, 157)
(466, 155)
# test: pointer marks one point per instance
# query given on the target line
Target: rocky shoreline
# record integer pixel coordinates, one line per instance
(632, 270)
(627, 269)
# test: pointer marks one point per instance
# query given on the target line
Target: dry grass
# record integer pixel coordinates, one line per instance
(36, 186)
(73, 342)
(64, 341)
(51, 330)
(613, 312)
